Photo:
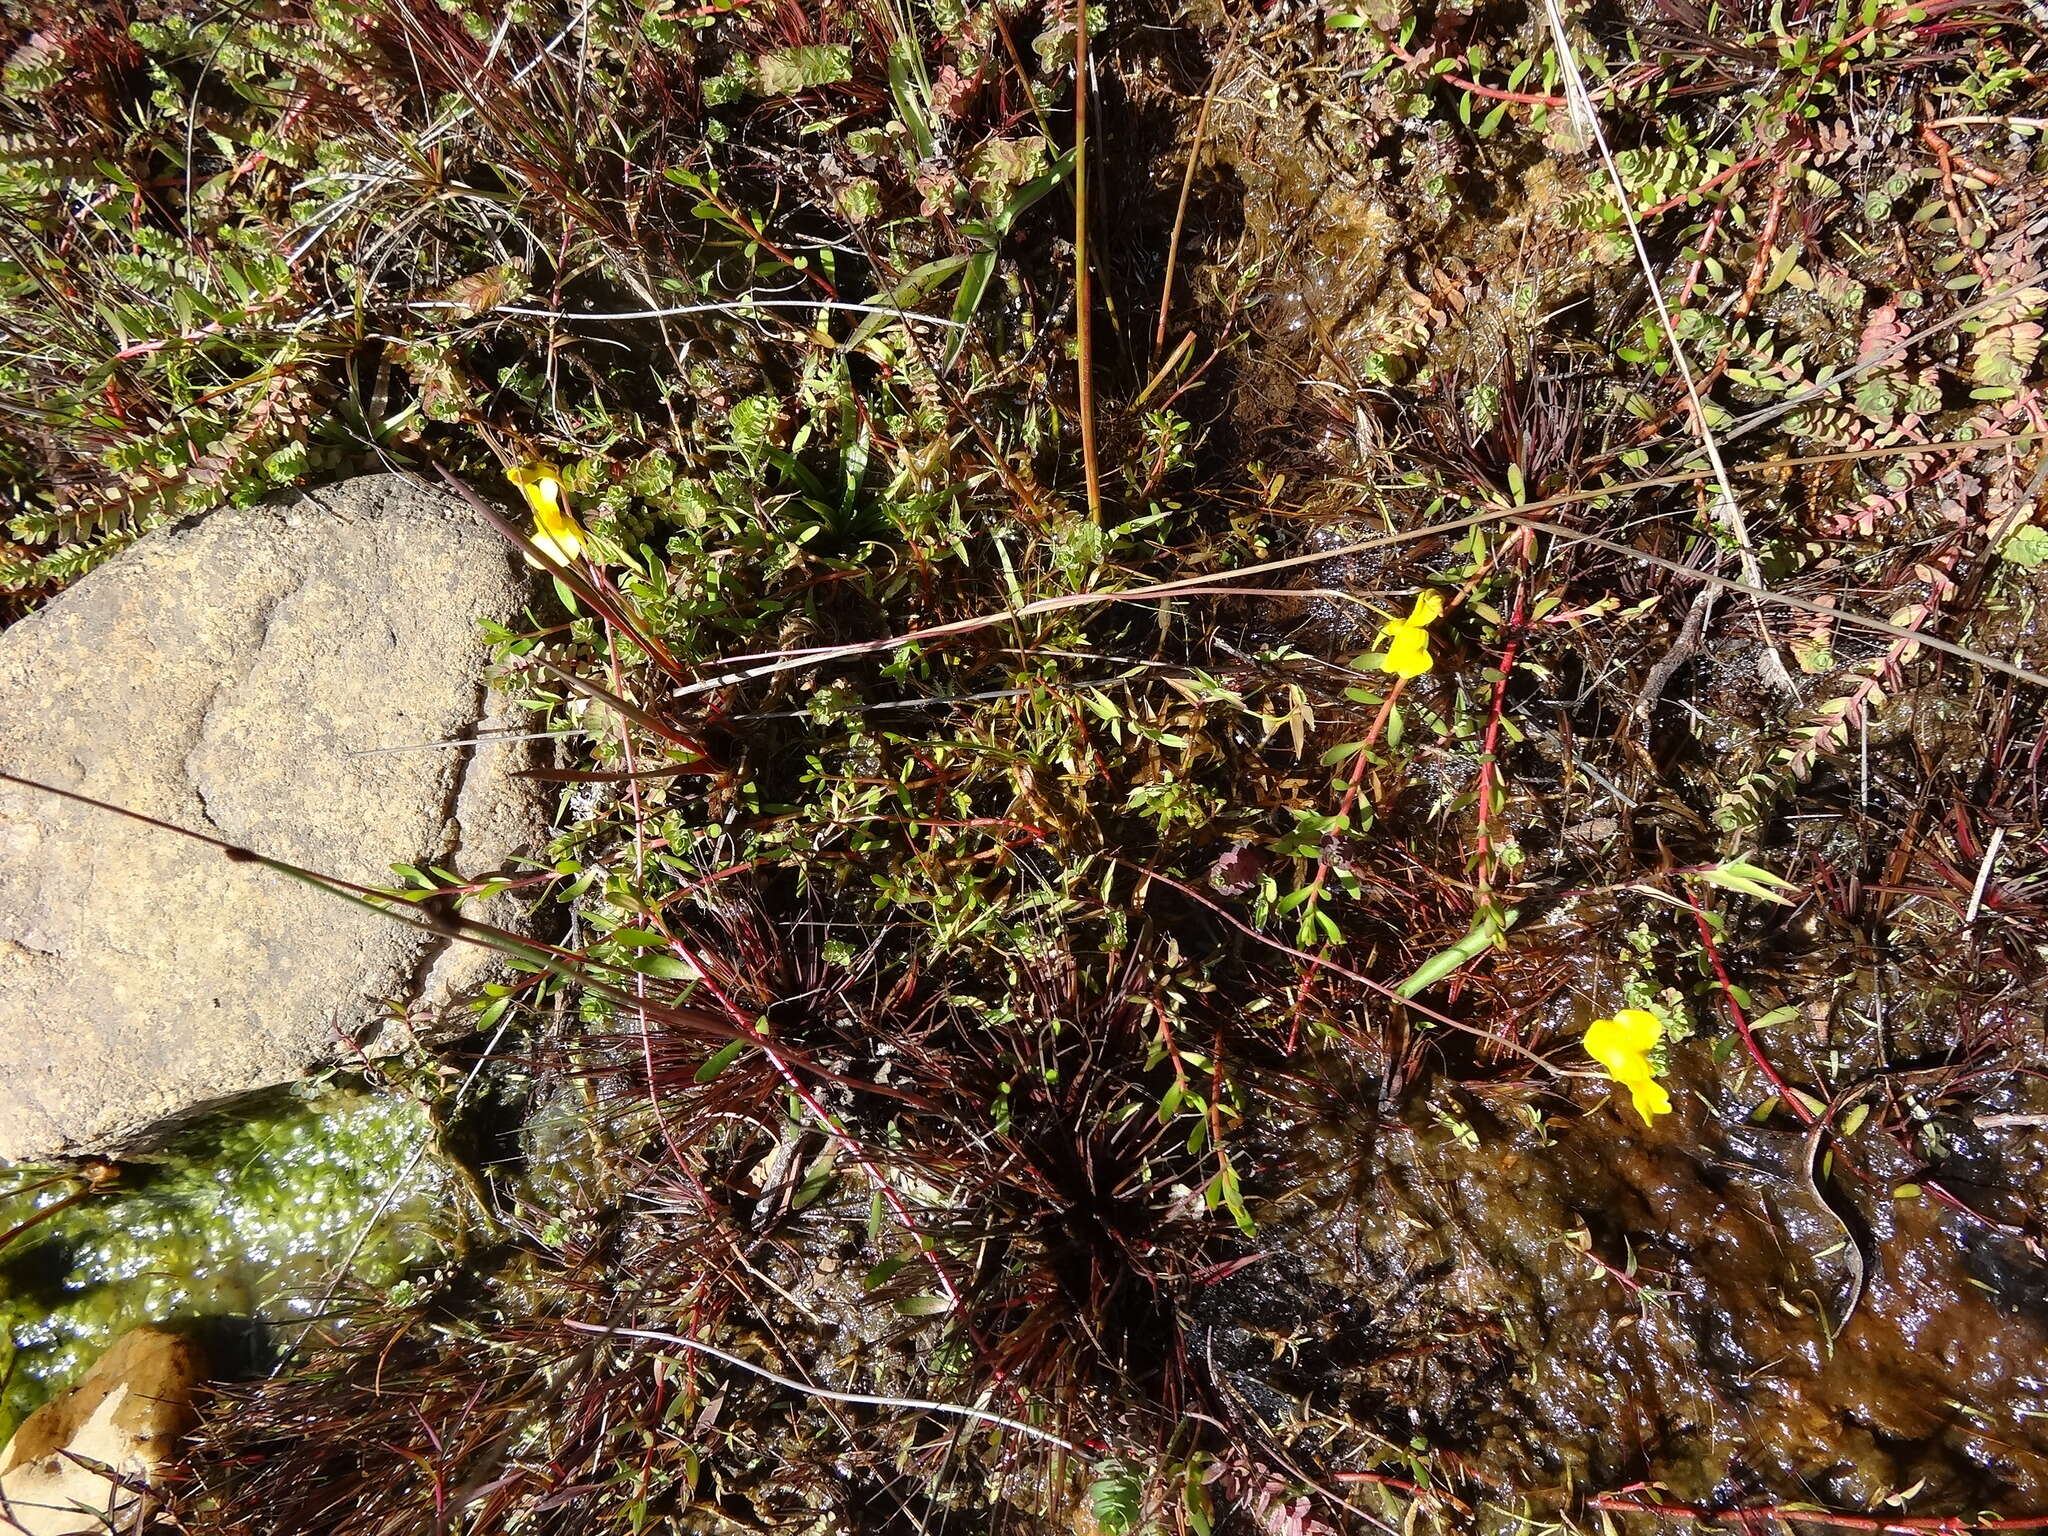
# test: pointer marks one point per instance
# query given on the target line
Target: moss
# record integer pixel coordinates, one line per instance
(246, 1219)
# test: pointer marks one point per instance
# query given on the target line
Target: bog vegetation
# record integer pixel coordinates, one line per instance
(1129, 686)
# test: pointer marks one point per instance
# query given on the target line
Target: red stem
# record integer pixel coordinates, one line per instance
(1385, 1480)
(1488, 769)
(1708, 185)
(1526, 98)
(1741, 1021)
(1757, 1514)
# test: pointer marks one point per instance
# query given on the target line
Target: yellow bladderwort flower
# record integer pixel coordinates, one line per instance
(1407, 640)
(555, 533)
(1622, 1045)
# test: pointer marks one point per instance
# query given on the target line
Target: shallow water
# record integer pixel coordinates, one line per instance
(1544, 1297)
(240, 1229)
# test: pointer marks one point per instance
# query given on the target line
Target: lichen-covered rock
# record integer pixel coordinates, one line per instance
(81, 1462)
(246, 676)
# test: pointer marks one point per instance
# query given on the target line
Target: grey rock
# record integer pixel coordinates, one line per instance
(237, 676)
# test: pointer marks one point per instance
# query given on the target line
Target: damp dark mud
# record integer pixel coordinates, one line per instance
(1532, 1294)
(1375, 253)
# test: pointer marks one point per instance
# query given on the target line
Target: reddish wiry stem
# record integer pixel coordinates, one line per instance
(1386, 1480)
(1706, 186)
(1766, 241)
(1315, 891)
(1614, 1271)
(1741, 1020)
(1084, 299)
(1945, 158)
(1525, 98)
(1489, 771)
(1626, 1503)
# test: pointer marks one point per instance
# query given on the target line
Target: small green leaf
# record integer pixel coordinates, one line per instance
(638, 938)
(1116, 1498)
(1747, 879)
(2026, 547)
(719, 1060)
(1481, 936)
(905, 295)
(662, 967)
(816, 1179)
(883, 1273)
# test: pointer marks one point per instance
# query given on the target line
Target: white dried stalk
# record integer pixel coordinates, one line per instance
(1727, 509)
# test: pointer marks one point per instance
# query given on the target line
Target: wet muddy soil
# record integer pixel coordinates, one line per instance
(1378, 252)
(1540, 1298)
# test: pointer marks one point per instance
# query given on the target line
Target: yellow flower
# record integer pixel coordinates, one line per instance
(555, 533)
(1407, 640)
(1622, 1045)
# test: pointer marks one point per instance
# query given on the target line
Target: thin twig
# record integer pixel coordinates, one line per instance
(1626, 1503)
(1975, 120)
(1187, 182)
(1727, 508)
(1984, 875)
(738, 306)
(481, 739)
(829, 1394)
(772, 663)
